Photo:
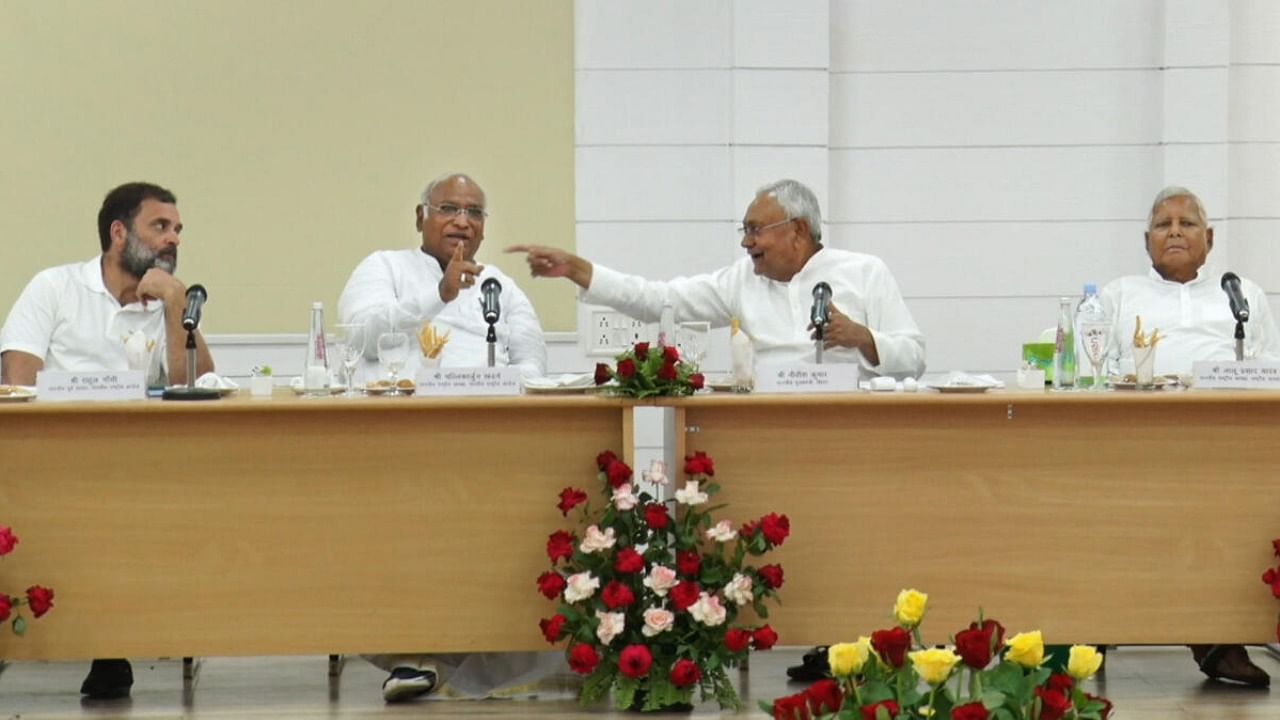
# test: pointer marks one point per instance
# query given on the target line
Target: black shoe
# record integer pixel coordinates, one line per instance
(108, 680)
(813, 666)
(407, 683)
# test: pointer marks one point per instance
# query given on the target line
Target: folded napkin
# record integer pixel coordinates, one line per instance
(567, 381)
(214, 381)
(959, 378)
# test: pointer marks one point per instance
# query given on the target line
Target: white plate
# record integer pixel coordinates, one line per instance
(17, 394)
(221, 391)
(961, 389)
(333, 389)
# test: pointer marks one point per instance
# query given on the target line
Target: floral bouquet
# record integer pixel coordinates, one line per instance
(39, 599)
(649, 595)
(882, 678)
(645, 371)
(1272, 578)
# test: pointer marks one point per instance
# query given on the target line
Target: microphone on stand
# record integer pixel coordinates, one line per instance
(1239, 306)
(490, 289)
(820, 313)
(196, 297)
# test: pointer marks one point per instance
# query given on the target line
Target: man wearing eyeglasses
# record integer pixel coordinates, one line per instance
(770, 290)
(439, 283)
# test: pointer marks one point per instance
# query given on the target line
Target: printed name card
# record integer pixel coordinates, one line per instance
(109, 385)
(440, 382)
(1232, 375)
(806, 378)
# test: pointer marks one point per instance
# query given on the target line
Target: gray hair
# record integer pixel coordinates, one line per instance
(797, 201)
(1174, 191)
(426, 194)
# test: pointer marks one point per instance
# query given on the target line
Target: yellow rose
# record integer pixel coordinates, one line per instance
(1026, 649)
(909, 610)
(847, 659)
(934, 666)
(1083, 661)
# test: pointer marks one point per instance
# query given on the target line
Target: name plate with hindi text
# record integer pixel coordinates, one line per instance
(442, 382)
(806, 378)
(100, 385)
(1232, 375)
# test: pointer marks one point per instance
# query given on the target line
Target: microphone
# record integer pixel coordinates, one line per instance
(1239, 306)
(490, 289)
(820, 314)
(196, 296)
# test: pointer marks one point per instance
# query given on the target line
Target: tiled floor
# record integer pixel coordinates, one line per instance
(1145, 683)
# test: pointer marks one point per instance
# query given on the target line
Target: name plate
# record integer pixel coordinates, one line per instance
(107, 385)
(1232, 375)
(806, 378)
(441, 382)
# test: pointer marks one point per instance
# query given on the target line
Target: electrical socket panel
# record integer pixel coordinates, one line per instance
(611, 332)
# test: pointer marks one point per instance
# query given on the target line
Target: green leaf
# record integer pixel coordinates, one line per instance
(624, 693)
(19, 626)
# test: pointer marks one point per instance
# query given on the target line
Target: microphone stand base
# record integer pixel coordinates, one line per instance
(184, 393)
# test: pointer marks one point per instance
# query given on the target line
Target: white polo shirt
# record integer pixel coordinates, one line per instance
(66, 316)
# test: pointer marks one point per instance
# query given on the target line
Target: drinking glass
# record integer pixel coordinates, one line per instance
(393, 353)
(1094, 339)
(351, 340)
(691, 339)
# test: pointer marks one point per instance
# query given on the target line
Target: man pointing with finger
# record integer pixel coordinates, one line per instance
(770, 290)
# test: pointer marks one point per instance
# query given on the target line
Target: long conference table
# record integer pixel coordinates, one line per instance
(335, 526)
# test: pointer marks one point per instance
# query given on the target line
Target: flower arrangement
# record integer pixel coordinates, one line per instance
(1272, 578)
(649, 594)
(882, 678)
(648, 370)
(38, 598)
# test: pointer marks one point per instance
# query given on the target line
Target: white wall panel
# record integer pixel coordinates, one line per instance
(980, 334)
(654, 183)
(995, 108)
(1255, 102)
(652, 34)
(772, 34)
(1255, 25)
(660, 250)
(634, 107)
(1199, 168)
(1197, 32)
(780, 107)
(1193, 104)
(756, 166)
(1255, 180)
(1257, 255)
(1024, 184)
(915, 35)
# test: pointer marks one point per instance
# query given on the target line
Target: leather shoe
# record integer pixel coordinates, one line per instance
(1230, 663)
(813, 666)
(108, 680)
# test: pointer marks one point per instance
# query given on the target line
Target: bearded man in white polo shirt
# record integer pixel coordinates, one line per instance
(77, 317)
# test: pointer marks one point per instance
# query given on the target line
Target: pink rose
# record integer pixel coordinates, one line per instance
(611, 625)
(661, 579)
(596, 541)
(708, 610)
(657, 620)
(739, 589)
(580, 587)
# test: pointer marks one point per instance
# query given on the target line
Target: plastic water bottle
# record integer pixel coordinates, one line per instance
(315, 374)
(1093, 328)
(1064, 346)
(743, 356)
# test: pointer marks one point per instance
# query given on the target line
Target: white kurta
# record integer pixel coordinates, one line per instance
(67, 317)
(1194, 319)
(775, 315)
(401, 287)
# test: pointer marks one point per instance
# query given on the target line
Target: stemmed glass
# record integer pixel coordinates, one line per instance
(692, 337)
(1094, 341)
(393, 353)
(351, 339)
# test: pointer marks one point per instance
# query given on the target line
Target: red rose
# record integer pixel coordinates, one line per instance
(776, 528)
(771, 576)
(1272, 578)
(7, 540)
(971, 711)
(891, 707)
(552, 627)
(684, 673)
(696, 381)
(991, 626)
(604, 459)
(583, 659)
(684, 595)
(1053, 704)
(634, 661)
(642, 350)
(560, 545)
(974, 646)
(736, 639)
(670, 354)
(1275, 545)
(602, 374)
(824, 697)
(699, 464)
(891, 645)
(655, 516)
(626, 369)
(616, 595)
(1107, 707)
(1060, 683)
(792, 707)
(764, 637)
(6, 606)
(39, 599)
(688, 563)
(551, 584)
(570, 498)
(628, 561)
(748, 529)
(618, 473)
(667, 372)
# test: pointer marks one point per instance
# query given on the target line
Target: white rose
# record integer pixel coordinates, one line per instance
(722, 532)
(708, 610)
(739, 589)
(660, 580)
(623, 498)
(580, 587)
(657, 473)
(596, 540)
(657, 620)
(689, 495)
(610, 625)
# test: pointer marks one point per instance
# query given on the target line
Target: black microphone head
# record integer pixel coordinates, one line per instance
(1229, 277)
(822, 289)
(197, 290)
(490, 285)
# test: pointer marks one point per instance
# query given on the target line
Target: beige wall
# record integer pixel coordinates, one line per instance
(296, 135)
